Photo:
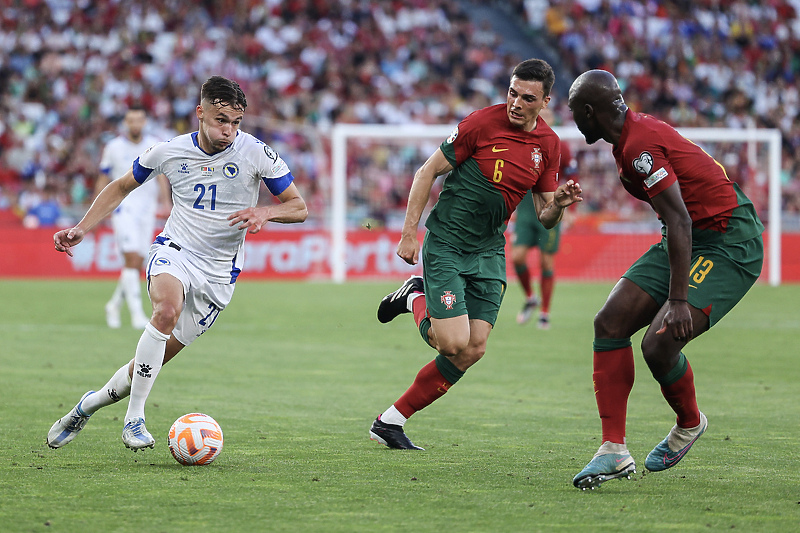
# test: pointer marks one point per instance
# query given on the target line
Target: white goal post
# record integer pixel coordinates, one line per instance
(342, 133)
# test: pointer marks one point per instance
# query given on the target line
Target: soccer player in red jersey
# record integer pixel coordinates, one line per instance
(493, 157)
(710, 255)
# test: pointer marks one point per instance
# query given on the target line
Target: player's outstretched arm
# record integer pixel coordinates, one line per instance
(105, 203)
(550, 206)
(436, 165)
(292, 209)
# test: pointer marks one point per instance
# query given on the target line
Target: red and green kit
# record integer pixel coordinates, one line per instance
(495, 164)
(651, 155)
(727, 250)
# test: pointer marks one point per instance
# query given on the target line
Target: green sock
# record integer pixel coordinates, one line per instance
(449, 371)
(676, 373)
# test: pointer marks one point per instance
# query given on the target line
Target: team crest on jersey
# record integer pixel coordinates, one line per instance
(448, 299)
(231, 170)
(452, 136)
(162, 261)
(536, 157)
(643, 164)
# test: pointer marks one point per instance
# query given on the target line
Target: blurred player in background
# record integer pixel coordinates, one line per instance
(529, 233)
(493, 157)
(135, 219)
(710, 255)
(215, 174)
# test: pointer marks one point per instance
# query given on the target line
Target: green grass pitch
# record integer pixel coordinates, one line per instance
(296, 372)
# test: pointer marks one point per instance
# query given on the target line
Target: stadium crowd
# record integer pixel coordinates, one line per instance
(73, 66)
(705, 63)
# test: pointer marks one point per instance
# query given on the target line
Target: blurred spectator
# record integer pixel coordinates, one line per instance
(704, 63)
(70, 69)
(44, 211)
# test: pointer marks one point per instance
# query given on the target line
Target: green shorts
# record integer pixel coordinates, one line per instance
(460, 283)
(528, 231)
(535, 235)
(720, 276)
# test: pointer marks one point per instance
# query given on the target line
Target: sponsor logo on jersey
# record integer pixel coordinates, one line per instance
(448, 299)
(496, 149)
(231, 170)
(536, 157)
(643, 164)
(452, 136)
(655, 177)
(184, 168)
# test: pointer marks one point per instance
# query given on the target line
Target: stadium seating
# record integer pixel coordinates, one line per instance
(70, 72)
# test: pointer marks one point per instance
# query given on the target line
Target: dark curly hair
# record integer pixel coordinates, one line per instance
(222, 91)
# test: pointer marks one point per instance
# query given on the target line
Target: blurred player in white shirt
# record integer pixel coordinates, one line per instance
(135, 219)
(215, 174)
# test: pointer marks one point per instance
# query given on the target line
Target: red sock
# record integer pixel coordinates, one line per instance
(428, 387)
(420, 309)
(613, 380)
(524, 276)
(547, 282)
(681, 397)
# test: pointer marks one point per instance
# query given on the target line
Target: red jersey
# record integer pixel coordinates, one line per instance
(651, 155)
(495, 164)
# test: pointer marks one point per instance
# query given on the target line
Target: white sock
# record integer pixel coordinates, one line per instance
(612, 447)
(393, 416)
(410, 301)
(117, 388)
(133, 291)
(116, 298)
(147, 364)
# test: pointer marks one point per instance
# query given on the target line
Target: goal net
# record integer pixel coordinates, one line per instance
(373, 166)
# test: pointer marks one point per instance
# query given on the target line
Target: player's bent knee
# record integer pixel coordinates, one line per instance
(658, 347)
(467, 358)
(452, 348)
(603, 327)
(165, 316)
(473, 356)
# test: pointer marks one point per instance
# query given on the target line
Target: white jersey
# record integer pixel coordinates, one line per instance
(118, 156)
(206, 189)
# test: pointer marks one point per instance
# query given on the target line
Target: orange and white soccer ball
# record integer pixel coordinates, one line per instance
(195, 439)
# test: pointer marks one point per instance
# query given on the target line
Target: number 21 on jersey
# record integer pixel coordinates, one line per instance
(201, 190)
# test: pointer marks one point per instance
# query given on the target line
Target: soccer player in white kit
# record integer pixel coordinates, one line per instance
(135, 219)
(215, 175)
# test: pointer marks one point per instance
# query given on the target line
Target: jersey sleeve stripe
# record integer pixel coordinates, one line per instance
(278, 185)
(140, 173)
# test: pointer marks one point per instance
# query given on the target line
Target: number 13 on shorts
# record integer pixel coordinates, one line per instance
(700, 269)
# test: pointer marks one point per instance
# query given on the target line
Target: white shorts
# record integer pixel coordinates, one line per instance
(203, 300)
(133, 230)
